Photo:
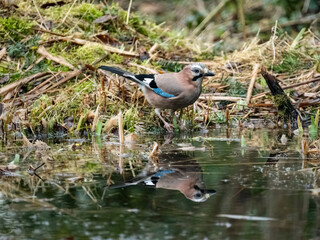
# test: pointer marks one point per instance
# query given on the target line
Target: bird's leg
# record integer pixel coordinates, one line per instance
(167, 125)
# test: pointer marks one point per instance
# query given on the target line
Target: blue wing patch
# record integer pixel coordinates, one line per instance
(163, 172)
(162, 93)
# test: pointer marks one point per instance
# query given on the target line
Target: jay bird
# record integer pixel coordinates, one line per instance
(169, 90)
(174, 172)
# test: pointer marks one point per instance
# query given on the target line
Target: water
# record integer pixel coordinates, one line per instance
(263, 189)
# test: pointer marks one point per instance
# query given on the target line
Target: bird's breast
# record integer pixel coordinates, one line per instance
(186, 98)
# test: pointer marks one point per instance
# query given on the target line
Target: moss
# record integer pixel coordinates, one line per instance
(88, 12)
(88, 53)
(236, 89)
(116, 58)
(15, 29)
(291, 62)
(77, 55)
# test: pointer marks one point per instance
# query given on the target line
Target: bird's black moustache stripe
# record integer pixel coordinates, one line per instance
(195, 78)
(153, 84)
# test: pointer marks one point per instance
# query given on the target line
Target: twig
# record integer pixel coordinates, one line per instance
(35, 5)
(120, 126)
(128, 13)
(50, 32)
(220, 98)
(81, 81)
(255, 70)
(153, 48)
(3, 52)
(4, 90)
(208, 18)
(67, 13)
(272, 42)
(70, 76)
(58, 59)
(260, 95)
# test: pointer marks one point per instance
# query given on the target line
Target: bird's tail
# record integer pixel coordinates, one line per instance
(121, 72)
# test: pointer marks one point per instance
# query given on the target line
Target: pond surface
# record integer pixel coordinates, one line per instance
(196, 186)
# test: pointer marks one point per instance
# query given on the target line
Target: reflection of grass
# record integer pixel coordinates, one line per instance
(313, 127)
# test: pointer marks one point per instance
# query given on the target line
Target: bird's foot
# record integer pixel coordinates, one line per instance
(169, 127)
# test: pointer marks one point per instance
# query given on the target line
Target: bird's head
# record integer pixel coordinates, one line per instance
(198, 194)
(198, 71)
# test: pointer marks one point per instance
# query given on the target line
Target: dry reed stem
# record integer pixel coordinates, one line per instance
(3, 52)
(95, 119)
(211, 97)
(120, 126)
(128, 13)
(255, 70)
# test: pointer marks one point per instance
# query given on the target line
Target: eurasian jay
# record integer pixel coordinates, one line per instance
(169, 90)
(175, 172)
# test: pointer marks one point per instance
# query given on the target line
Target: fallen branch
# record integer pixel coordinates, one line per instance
(4, 90)
(260, 95)
(286, 110)
(57, 59)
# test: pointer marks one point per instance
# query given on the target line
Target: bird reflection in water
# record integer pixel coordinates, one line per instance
(174, 171)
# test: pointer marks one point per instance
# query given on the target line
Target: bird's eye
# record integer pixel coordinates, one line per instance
(196, 71)
(198, 195)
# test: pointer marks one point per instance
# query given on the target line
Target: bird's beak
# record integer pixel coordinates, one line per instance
(209, 193)
(209, 74)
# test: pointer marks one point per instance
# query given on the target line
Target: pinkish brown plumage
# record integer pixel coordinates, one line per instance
(169, 90)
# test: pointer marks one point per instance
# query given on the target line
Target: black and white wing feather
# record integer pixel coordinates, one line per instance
(146, 80)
